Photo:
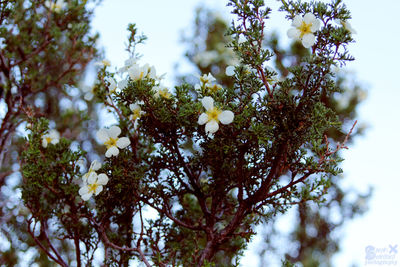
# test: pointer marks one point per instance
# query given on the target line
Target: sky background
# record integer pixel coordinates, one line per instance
(372, 160)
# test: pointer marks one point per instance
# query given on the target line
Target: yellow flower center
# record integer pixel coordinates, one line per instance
(141, 75)
(106, 63)
(214, 88)
(136, 114)
(48, 139)
(111, 142)
(93, 187)
(305, 28)
(213, 114)
(164, 93)
(203, 80)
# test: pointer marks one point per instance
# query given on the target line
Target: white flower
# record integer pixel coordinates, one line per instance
(214, 87)
(206, 82)
(128, 63)
(152, 73)
(109, 137)
(138, 73)
(207, 79)
(112, 87)
(230, 71)
(303, 29)
(53, 137)
(122, 84)
(94, 166)
(136, 110)
(94, 185)
(162, 91)
(213, 116)
(159, 78)
(56, 6)
(103, 63)
(346, 25)
(89, 92)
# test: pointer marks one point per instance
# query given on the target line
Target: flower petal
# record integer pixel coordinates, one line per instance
(95, 165)
(152, 72)
(207, 102)
(86, 197)
(315, 25)
(122, 84)
(297, 20)
(54, 134)
(226, 117)
(293, 33)
(54, 141)
(309, 18)
(92, 178)
(203, 119)
(83, 190)
(134, 72)
(308, 40)
(44, 142)
(134, 106)
(102, 178)
(212, 126)
(89, 174)
(102, 135)
(99, 188)
(114, 131)
(123, 142)
(112, 151)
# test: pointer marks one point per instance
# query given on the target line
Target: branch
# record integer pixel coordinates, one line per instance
(58, 260)
(49, 242)
(167, 212)
(37, 51)
(197, 191)
(77, 250)
(338, 146)
(107, 242)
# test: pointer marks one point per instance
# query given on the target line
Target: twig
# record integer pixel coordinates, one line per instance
(107, 242)
(58, 260)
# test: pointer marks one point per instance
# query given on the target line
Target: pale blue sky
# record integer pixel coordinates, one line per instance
(372, 160)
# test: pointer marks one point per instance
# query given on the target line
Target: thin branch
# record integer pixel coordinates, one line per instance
(44, 228)
(58, 260)
(167, 212)
(107, 242)
(77, 250)
(37, 51)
